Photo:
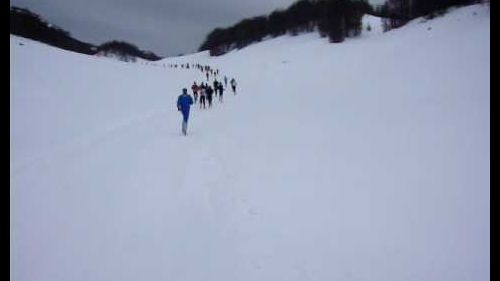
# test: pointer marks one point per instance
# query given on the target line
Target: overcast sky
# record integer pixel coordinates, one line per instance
(166, 27)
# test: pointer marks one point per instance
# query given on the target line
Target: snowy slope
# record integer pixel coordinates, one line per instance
(371, 25)
(366, 160)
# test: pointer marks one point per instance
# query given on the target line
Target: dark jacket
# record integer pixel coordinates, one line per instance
(210, 91)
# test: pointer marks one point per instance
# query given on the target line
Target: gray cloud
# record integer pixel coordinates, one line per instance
(166, 27)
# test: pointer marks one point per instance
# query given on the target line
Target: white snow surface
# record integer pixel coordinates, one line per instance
(365, 160)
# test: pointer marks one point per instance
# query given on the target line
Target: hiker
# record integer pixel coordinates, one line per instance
(207, 75)
(225, 81)
(184, 102)
(216, 86)
(203, 95)
(233, 85)
(195, 92)
(210, 92)
(221, 92)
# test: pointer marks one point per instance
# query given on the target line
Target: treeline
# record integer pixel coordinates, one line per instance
(396, 13)
(335, 19)
(125, 51)
(27, 24)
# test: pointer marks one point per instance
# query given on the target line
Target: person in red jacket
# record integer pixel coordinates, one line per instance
(195, 92)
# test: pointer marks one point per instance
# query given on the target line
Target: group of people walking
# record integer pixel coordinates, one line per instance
(202, 94)
(205, 92)
(206, 69)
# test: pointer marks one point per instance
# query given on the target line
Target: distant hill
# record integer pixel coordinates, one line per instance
(124, 51)
(30, 25)
(27, 24)
(335, 19)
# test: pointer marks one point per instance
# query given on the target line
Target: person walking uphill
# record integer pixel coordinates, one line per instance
(203, 95)
(195, 91)
(210, 92)
(221, 91)
(184, 102)
(216, 87)
(233, 85)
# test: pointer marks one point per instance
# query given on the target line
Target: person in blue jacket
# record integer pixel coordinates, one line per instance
(184, 102)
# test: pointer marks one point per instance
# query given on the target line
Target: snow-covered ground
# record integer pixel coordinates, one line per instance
(366, 160)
